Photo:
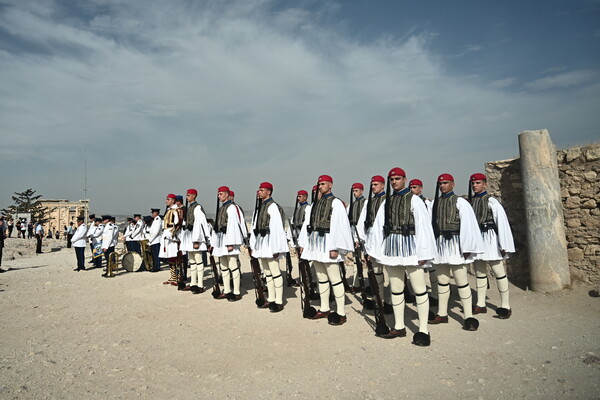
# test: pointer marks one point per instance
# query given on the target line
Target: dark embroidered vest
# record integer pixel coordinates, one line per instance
(263, 219)
(356, 208)
(400, 220)
(447, 217)
(299, 215)
(372, 208)
(222, 218)
(320, 214)
(483, 213)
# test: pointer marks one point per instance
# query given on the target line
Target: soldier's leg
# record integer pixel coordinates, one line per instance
(481, 282)
(335, 277)
(397, 281)
(464, 291)
(499, 270)
(236, 274)
(433, 280)
(225, 273)
(416, 276)
(272, 265)
(323, 284)
(264, 266)
(443, 289)
(193, 268)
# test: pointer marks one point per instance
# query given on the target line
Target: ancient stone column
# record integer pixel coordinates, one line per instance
(547, 243)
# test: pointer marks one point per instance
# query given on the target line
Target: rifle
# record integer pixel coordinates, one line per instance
(259, 289)
(381, 327)
(216, 293)
(305, 279)
(366, 302)
(288, 263)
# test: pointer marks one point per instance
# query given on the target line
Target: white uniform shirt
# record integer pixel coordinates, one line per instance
(78, 239)
(339, 238)
(109, 235)
(273, 242)
(155, 231)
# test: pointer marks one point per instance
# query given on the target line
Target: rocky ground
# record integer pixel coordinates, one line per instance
(75, 335)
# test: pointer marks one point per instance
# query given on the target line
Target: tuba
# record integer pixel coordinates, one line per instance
(146, 254)
(114, 259)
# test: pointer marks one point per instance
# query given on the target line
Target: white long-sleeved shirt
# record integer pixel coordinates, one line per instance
(78, 239)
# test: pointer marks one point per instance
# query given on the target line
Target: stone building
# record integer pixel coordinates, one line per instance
(579, 175)
(61, 212)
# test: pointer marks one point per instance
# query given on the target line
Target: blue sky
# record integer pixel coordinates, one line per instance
(169, 95)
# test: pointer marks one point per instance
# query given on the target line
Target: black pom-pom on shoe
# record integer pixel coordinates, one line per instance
(422, 339)
(471, 324)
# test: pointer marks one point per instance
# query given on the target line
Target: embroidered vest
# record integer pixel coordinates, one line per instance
(448, 219)
(483, 213)
(400, 219)
(320, 215)
(355, 209)
(222, 218)
(372, 208)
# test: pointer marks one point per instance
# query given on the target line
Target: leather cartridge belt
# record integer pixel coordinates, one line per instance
(320, 231)
(189, 228)
(223, 229)
(261, 232)
(170, 225)
(404, 230)
(448, 235)
(486, 226)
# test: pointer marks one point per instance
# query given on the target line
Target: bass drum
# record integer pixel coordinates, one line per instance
(131, 261)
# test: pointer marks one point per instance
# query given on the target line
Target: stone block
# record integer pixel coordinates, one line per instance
(572, 202)
(575, 254)
(574, 190)
(589, 204)
(573, 223)
(592, 153)
(590, 176)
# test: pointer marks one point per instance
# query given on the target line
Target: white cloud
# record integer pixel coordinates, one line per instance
(168, 95)
(563, 80)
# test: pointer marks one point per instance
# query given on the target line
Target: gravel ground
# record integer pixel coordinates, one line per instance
(75, 335)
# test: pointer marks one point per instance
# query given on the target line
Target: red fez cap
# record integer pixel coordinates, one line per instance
(378, 178)
(232, 193)
(445, 177)
(302, 193)
(396, 172)
(478, 177)
(416, 182)
(171, 196)
(358, 186)
(325, 178)
(223, 189)
(265, 185)
(192, 191)
(315, 188)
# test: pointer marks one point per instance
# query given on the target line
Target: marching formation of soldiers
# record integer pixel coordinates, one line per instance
(394, 232)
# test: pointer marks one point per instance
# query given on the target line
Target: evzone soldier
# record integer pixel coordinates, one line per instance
(458, 241)
(110, 235)
(403, 230)
(268, 242)
(300, 210)
(94, 235)
(170, 239)
(357, 203)
(369, 236)
(324, 239)
(497, 243)
(416, 187)
(226, 242)
(195, 241)
(154, 236)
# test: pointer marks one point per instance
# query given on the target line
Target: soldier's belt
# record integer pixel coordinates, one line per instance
(261, 232)
(401, 230)
(486, 226)
(320, 231)
(448, 235)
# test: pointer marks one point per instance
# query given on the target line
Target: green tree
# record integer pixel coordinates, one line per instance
(28, 202)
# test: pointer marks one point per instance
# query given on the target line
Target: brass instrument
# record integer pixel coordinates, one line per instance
(113, 261)
(146, 254)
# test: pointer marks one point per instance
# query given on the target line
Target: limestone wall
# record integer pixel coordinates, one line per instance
(579, 170)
